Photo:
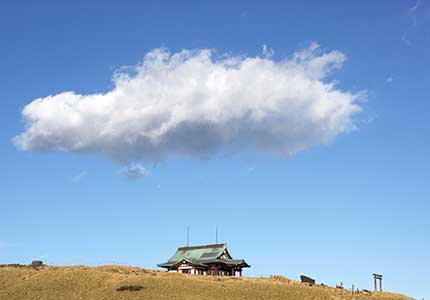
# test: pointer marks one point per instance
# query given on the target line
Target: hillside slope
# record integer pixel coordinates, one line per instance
(127, 283)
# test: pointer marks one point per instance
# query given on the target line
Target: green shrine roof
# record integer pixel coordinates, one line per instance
(203, 256)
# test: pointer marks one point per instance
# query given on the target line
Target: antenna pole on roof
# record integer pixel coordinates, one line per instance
(216, 234)
(188, 236)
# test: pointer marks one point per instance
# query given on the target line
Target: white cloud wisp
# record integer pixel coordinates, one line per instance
(190, 103)
(136, 171)
(4, 245)
(79, 177)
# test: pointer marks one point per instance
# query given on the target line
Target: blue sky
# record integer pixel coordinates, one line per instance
(337, 212)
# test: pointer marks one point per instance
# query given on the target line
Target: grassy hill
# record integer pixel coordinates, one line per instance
(130, 283)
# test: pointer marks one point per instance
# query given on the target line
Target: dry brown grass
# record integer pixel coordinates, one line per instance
(121, 283)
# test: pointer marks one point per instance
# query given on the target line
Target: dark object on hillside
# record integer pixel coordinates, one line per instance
(131, 288)
(36, 263)
(340, 286)
(306, 279)
(367, 291)
(14, 266)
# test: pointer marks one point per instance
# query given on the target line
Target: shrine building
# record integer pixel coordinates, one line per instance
(205, 260)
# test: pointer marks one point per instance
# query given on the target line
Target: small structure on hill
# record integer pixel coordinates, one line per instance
(205, 260)
(36, 263)
(377, 277)
(306, 279)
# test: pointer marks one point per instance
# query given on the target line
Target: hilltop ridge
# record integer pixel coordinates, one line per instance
(127, 283)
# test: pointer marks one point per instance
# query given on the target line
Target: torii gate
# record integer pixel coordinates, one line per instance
(377, 277)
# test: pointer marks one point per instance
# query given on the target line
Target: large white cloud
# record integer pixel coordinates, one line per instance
(190, 103)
